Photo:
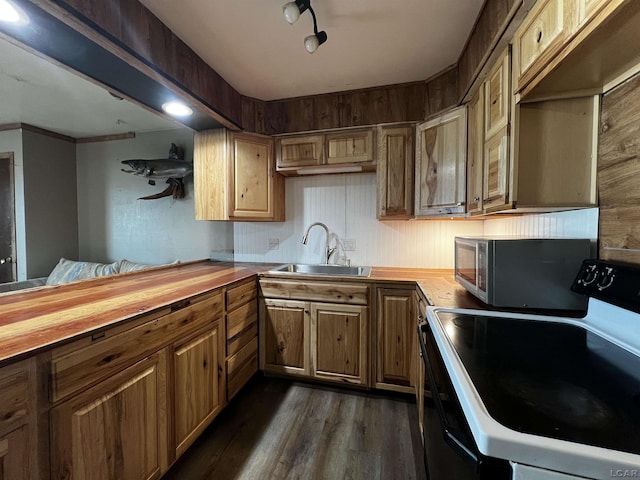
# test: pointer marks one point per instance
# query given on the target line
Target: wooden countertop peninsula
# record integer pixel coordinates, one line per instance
(37, 319)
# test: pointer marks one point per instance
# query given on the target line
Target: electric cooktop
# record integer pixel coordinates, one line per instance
(551, 379)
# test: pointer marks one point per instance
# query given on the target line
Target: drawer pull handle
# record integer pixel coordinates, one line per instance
(539, 36)
(180, 305)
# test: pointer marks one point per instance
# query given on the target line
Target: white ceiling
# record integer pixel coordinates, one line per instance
(248, 42)
(39, 93)
(370, 42)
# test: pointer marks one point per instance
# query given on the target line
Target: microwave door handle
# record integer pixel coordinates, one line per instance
(451, 435)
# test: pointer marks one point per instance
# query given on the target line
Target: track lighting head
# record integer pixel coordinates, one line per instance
(312, 42)
(292, 11)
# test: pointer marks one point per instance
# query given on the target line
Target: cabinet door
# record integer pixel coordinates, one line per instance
(496, 171)
(538, 39)
(475, 153)
(497, 96)
(586, 10)
(14, 455)
(299, 151)
(353, 146)
(254, 179)
(397, 355)
(339, 342)
(116, 429)
(394, 173)
(199, 384)
(441, 146)
(284, 336)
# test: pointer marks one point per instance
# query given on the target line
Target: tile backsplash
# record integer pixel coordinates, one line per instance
(346, 203)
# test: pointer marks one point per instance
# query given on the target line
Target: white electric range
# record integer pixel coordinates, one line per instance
(539, 397)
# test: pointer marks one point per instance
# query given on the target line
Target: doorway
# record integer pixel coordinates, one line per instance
(7, 220)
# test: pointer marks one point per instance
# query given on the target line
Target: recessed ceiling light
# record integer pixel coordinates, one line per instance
(178, 109)
(11, 13)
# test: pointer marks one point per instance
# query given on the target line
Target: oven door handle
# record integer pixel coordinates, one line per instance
(452, 436)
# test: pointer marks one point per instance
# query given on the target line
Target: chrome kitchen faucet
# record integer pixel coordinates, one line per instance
(328, 251)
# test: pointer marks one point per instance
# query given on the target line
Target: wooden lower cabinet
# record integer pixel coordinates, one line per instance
(339, 342)
(116, 429)
(284, 337)
(15, 454)
(315, 340)
(397, 355)
(199, 384)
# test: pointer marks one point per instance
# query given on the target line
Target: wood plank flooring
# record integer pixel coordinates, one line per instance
(279, 429)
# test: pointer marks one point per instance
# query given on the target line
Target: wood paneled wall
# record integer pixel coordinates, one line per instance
(619, 173)
(489, 26)
(393, 103)
(127, 25)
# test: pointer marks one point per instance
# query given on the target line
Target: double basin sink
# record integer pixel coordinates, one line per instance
(329, 270)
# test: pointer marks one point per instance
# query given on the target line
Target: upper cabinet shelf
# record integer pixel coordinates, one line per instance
(593, 49)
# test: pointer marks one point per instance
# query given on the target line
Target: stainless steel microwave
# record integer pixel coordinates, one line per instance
(516, 272)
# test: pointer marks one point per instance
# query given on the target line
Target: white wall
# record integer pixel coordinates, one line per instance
(114, 224)
(575, 223)
(45, 200)
(346, 204)
(50, 201)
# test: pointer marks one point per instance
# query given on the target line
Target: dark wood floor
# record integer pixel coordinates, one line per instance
(278, 429)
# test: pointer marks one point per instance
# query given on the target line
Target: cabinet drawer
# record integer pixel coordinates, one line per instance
(315, 291)
(542, 31)
(242, 326)
(241, 367)
(241, 294)
(14, 388)
(72, 370)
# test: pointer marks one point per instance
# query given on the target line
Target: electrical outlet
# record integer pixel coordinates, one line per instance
(349, 244)
(274, 244)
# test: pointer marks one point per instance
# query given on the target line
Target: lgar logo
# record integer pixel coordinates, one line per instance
(625, 473)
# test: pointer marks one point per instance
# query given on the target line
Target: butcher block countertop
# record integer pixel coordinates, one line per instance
(40, 318)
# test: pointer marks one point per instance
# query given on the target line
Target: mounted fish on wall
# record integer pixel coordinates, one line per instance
(174, 169)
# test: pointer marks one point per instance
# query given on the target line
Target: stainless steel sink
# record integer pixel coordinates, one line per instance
(340, 270)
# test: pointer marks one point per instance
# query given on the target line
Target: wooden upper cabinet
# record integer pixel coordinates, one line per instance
(300, 151)
(441, 146)
(539, 38)
(497, 95)
(235, 178)
(394, 172)
(586, 9)
(495, 175)
(352, 146)
(325, 151)
(475, 153)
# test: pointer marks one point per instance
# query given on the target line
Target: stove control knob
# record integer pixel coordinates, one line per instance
(589, 276)
(607, 279)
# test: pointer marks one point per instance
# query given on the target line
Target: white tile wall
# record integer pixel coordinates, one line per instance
(575, 223)
(346, 204)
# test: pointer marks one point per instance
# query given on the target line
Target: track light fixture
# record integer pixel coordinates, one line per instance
(292, 11)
